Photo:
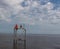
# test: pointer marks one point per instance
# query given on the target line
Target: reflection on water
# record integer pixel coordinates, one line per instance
(33, 41)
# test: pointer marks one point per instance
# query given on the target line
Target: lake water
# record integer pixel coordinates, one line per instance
(34, 41)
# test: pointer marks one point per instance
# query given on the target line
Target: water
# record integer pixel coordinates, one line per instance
(34, 41)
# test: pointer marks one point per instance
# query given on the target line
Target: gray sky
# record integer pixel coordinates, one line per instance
(39, 16)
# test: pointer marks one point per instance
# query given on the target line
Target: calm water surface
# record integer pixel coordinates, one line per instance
(34, 41)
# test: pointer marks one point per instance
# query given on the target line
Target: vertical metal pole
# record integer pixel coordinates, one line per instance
(15, 40)
(24, 38)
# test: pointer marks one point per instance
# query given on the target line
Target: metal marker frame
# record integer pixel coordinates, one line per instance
(15, 38)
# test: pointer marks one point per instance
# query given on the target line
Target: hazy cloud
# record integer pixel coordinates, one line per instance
(29, 12)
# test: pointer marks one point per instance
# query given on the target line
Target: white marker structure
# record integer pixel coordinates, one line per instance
(15, 36)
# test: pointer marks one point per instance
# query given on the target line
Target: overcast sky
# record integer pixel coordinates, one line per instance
(37, 16)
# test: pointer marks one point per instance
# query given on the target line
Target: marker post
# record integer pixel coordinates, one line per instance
(15, 36)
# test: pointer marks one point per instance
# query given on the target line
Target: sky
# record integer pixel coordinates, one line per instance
(37, 16)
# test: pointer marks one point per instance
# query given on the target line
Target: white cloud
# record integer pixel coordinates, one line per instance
(34, 13)
(4, 15)
(49, 6)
